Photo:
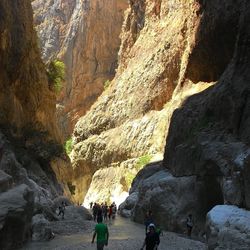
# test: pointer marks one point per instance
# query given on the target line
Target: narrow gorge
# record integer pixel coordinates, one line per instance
(152, 114)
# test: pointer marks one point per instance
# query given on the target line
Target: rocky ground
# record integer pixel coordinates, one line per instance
(73, 233)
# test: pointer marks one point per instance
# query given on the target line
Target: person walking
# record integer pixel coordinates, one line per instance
(110, 212)
(114, 210)
(189, 225)
(95, 211)
(148, 220)
(105, 211)
(152, 239)
(61, 210)
(101, 230)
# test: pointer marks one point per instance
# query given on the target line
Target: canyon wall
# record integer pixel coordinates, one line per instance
(29, 137)
(85, 35)
(129, 121)
(213, 145)
(206, 159)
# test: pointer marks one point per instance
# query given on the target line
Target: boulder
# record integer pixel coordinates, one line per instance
(149, 170)
(228, 227)
(77, 213)
(170, 198)
(125, 209)
(16, 209)
(41, 230)
(45, 209)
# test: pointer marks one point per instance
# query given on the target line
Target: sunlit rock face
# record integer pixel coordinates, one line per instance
(130, 119)
(111, 184)
(228, 228)
(85, 35)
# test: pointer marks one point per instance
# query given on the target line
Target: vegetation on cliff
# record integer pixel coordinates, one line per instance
(56, 75)
(68, 146)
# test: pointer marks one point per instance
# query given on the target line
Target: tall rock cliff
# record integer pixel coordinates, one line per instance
(25, 99)
(29, 138)
(162, 43)
(213, 145)
(85, 35)
(206, 160)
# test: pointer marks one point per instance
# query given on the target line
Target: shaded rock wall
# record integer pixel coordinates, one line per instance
(29, 137)
(27, 106)
(213, 144)
(85, 35)
(207, 140)
(25, 99)
(17, 207)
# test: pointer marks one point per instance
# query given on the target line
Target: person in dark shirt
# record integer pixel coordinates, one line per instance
(61, 210)
(189, 224)
(152, 239)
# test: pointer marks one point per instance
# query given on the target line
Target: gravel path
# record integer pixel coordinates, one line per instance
(124, 235)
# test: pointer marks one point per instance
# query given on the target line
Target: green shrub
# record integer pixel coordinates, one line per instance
(129, 177)
(56, 74)
(142, 161)
(106, 84)
(68, 146)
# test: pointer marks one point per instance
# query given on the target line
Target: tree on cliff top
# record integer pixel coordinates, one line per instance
(56, 74)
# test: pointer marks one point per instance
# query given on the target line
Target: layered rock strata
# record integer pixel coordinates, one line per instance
(159, 67)
(208, 141)
(208, 137)
(85, 35)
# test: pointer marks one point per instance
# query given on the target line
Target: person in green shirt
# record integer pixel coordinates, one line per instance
(101, 230)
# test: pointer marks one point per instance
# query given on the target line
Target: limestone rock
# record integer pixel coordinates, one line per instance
(127, 207)
(27, 104)
(41, 230)
(209, 135)
(77, 213)
(26, 101)
(159, 67)
(107, 185)
(228, 228)
(85, 35)
(214, 142)
(171, 198)
(16, 212)
(29, 136)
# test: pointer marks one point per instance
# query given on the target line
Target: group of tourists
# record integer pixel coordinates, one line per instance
(153, 233)
(103, 210)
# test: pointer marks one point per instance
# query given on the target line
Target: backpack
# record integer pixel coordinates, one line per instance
(159, 231)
